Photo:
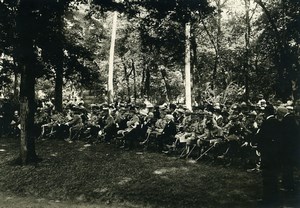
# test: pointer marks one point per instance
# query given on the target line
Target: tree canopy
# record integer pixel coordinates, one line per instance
(238, 49)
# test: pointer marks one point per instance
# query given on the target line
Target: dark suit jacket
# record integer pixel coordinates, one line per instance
(268, 142)
(170, 129)
(289, 143)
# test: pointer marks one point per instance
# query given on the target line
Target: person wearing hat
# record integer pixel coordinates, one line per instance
(217, 117)
(187, 118)
(268, 138)
(260, 97)
(76, 124)
(232, 138)
(250, 126)
(248, 150)
(289, 147)
(110, 125)
(131, 133)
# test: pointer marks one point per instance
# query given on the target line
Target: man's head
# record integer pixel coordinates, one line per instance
(252, 116)
(169, 118)
(269, 110)
(281, 112)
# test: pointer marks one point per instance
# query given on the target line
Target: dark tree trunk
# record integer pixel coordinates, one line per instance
(168, 90)
(283, 85)
(59, 88)
(27, 110)
(58, 59)
(25, 55)
(127, 82)
(217, 48)
(194, 57)
(147, 81)
(247, 50)
(134, 80)
(143, 81)
(282, 58)
(296, 84)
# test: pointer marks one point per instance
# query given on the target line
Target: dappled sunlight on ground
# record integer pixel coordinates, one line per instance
(72, 174)
(170, 170)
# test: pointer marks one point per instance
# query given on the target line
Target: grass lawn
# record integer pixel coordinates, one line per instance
(77, 174)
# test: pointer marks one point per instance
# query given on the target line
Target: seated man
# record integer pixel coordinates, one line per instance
(49, 129)
(92, 127)
(75, 125)
(167, 137)
(149, 130)
(109, 129)
(155, 129)
(191, 131)
(131, 133)
(15, 124)
(210, 137)
(233, 138)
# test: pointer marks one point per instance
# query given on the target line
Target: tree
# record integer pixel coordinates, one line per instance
(110, 87)
(281, 22)
(38, 32)
(26, 56)
(188, 95)
(7, 41)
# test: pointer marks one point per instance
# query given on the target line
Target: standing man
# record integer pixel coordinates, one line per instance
(268, 138)
(289, 145)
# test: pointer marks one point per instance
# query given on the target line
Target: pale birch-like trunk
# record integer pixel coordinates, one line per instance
(188, 94)
(110, 87)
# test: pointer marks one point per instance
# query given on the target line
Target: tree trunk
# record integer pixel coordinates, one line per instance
(188, 94)
(194, 63)
(24, 111)
(283, 85)
(59, 88)
(127, 82)
(134, 81)
(110, 87)
(25, 26)
(58, 59)
(212, 40)
(296, 84)
(168, 91)
(247, 50)
(143, 81)
(27, 110)
(16, 84)
(218, 39)
(147, 82)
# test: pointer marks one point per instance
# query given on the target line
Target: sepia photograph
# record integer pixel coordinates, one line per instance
(149, 103)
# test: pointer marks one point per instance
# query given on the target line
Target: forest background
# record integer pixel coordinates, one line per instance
(59, 50)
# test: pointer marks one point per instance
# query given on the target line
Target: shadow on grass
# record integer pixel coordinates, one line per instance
(103, 173)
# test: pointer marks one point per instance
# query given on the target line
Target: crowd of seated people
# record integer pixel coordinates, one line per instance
(220, 132)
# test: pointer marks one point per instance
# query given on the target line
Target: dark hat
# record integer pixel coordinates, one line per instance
(260, 96)
(269, 109)
(252, 113)
(132, 108)
(172, 106)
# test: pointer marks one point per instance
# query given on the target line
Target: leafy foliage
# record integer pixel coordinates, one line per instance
(229, 95)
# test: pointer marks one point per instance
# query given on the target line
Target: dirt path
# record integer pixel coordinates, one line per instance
(10, 201)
